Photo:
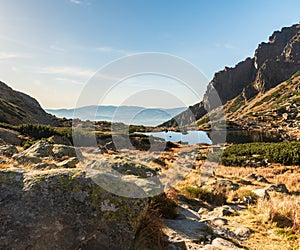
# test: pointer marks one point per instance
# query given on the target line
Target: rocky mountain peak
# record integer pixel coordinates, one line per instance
(273, 62)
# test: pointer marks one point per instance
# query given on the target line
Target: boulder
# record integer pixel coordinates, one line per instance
(57, 139)
(43, 165)
(262, 193)
(221, 243)
(60, 151)
(257, 177)
(69, 163)
(280, 188)
(8, 150)
(39, 149)
(10, 136)
(64, 209)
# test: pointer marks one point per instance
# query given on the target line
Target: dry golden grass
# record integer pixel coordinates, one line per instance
(149, 232)
(288, 175)
(284, 210)
(5, 166)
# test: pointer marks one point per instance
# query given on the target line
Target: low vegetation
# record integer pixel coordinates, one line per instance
(286, 153)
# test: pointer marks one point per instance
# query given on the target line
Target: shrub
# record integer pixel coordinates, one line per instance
(164, 206)
(286, 153)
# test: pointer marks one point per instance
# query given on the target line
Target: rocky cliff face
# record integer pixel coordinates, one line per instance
(273, 62)
(18, 108)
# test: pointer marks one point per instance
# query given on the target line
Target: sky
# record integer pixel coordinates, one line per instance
(51, 49)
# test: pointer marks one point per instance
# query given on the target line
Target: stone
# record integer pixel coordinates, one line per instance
(69, 163)
(262, 193)
(223, 211)
(280, 188)
(10, 136)
(39, 149)
(8, 150)
(224, 244)
(64, 209)
(2, 142)
(188, 229)
(60, 151)
(44, 165)
(258, 178)
(26, 160)
(57, 139)
(219, 222)
(243, 232)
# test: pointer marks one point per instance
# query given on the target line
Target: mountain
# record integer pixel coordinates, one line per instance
(127, 114)
(273, 63)
(18, 108)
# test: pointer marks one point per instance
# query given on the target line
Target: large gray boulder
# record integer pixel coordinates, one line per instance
(63, 209)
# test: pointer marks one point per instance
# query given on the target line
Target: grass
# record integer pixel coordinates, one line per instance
(214, 195)
(149, 233)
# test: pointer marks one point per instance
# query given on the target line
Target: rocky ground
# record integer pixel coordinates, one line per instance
(237, 208)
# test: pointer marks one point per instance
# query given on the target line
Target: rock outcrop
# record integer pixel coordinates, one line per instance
(273, 62)
(63, 209)
(18, 108)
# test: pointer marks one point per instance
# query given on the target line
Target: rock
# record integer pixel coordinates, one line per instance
(2, 161)
(39, 149)
(69, 163)
(60, 151)
(223, 211)
(186, 229)
(8, 150)
(243, 232)
(26, 160)
(228, 184)
(219, 222)
(280, 188)
(10, 136)
(262, 193)
(176, 245)
(186, 213)
(63, 209)
(44, 165)
(224, 244)
(57, 139)
(258, 178)
(110, 146)
(2, 142)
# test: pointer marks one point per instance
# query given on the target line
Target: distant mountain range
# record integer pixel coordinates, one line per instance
(133, 115)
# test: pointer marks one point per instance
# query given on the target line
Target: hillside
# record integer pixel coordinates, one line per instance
(273, 63)
(18, 108)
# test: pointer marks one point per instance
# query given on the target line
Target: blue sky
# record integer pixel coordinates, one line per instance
(49, 49)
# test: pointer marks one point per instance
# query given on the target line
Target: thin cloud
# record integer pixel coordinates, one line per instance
(66, 71)
(56, 48)
(79, 2)
(76, 1)
(13, 55)
(226, 46)
(113, 50)
(68, 80)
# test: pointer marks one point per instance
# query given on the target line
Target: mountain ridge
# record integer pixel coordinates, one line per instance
(19, 108)
(273, 62)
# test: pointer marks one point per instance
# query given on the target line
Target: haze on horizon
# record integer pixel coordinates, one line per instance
(50, 49)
